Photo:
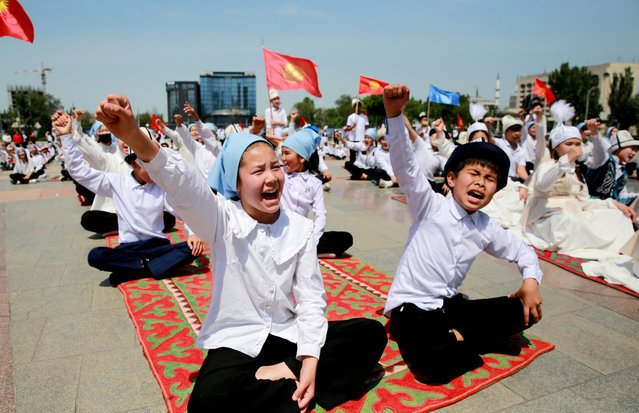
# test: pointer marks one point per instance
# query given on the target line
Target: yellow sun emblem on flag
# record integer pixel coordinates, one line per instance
(293, 73)
(4, 5)
(374, 85)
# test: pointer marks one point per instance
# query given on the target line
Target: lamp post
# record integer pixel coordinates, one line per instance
(588, 95)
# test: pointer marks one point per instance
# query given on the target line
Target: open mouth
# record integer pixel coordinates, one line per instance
(270, 195)
(476, 195)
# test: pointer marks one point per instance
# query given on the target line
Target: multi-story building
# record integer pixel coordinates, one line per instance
(227, 97)
(179, 92)
(604, 72)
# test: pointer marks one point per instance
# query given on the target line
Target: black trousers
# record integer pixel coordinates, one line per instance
(155, 257)
(226, 381)
(334, 242)
(356, 172)
(102, 222)
(430, 348)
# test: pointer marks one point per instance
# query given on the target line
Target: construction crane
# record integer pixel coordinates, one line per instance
(43, 75)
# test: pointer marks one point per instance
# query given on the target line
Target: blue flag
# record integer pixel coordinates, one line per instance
(438, 95)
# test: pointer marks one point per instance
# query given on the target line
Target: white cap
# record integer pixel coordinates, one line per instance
(355, 101)
(508, 122)
(622, 139)
(272, 94)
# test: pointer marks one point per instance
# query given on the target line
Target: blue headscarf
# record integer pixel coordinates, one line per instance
(223, 175)
(304, 142)
(608, 132)
(95, 128)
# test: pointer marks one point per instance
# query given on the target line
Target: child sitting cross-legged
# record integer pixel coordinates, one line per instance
(440, 332)
(270, 346)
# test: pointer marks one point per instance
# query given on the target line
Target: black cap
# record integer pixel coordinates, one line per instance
(481, 151)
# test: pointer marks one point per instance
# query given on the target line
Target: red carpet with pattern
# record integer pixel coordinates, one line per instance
(566, 262)
(168, 314)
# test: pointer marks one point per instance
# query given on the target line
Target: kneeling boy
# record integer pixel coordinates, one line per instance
(439, 331)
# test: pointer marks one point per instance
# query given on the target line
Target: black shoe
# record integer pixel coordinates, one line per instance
(117, 278)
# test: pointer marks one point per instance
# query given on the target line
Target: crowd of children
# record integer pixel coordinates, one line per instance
(248, 194)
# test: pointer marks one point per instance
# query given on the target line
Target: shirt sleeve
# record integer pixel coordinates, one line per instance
(174, 136)
(420, 197)
(310, 297)
(319, 212)
(94, 180)
(506, 246)
(187, 193)
(549, 172)
(599, 151)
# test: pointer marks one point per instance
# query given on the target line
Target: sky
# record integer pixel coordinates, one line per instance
(134, 47)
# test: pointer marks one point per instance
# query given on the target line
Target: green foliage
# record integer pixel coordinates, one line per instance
(32, 108)
(144, 118)
(87, 121)
(624, 107)
(336, 116)
(573, 84)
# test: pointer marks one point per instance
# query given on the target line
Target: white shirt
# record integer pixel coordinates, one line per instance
(360, 121)
(382, 161)
(586, 152)
(517, 155)
(203, 156)
(429, 163)
(178, 144)
(444, 239)
(140, 208)
(365, 159)
(266, 276)
(38, 162)
(303, 192)
(272, 115)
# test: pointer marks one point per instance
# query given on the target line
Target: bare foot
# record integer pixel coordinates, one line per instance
(364, 177)
(274, 372)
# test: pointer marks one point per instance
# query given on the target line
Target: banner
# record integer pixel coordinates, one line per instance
(289, 73)
(445, 97)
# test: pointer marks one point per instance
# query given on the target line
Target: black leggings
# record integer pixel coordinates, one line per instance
(226, 381)
(430, 348)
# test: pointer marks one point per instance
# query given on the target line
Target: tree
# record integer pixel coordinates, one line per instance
(576, 85)
(34, 109)
(307, 109)
(86, 121)
(624, 107)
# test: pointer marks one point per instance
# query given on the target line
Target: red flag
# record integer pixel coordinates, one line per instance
(302, 121)
(288, 73)
(14, 22)
(156, 124)
(460, 122)
(370, 86)
(542, 89)
(241, 127)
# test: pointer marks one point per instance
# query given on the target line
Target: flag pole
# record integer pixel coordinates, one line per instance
(428, 109)
(268, 96)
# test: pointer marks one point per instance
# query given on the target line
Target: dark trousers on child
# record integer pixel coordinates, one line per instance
(226, 381)
(102, 222)
(155, 257)
(357, 172)
(430, 348)
(334, 242)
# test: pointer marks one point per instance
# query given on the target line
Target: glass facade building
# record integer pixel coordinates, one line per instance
(179, 92)
(227, 97)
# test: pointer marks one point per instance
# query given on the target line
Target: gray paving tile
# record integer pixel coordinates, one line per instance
(563, 401)
(106, 297)
(49, 302)
(47, 386)
(27, 277)
(548, 374)
(592, 344)
(613, 321)
(620, 393)
(81, 273)
(85, 333)
(122, 373)
(490, 399)
(25, 335)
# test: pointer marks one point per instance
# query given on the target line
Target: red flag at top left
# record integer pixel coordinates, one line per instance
(14, 22)
(289, 73)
